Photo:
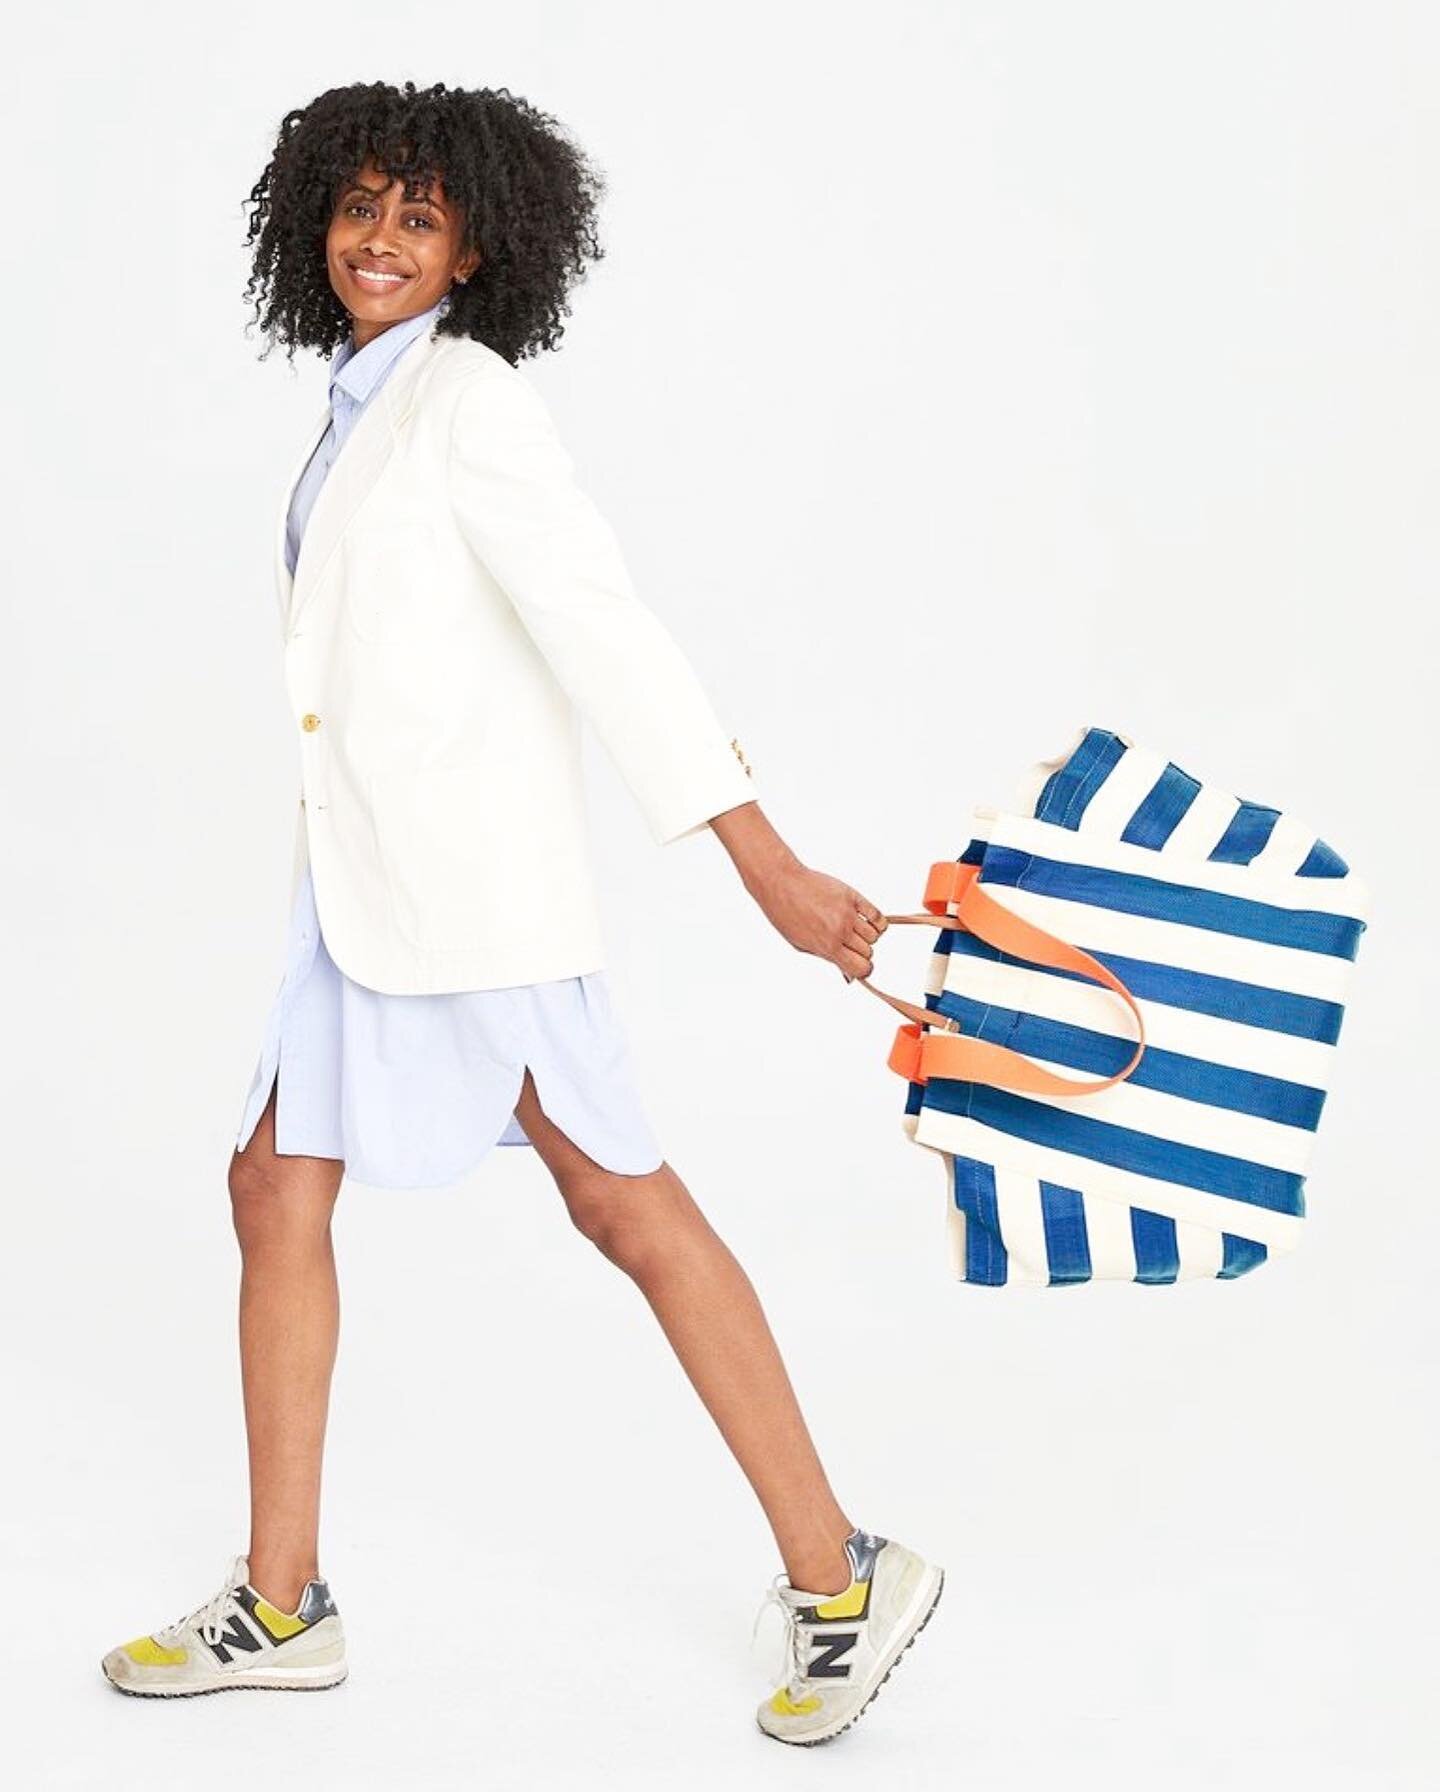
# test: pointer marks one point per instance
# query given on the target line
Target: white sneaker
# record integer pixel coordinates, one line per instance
(840, 1647)
(237, 1638)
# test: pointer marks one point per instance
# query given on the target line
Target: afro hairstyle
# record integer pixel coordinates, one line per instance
(527, 196)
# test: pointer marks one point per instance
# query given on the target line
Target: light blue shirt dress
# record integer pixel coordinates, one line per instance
(411, 1091)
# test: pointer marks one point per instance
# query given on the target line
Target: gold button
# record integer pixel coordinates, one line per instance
(735, 745)
(310, 723)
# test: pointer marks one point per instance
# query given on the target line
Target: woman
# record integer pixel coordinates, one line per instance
(457, 607)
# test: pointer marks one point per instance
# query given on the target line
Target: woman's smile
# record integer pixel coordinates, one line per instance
(377, 279)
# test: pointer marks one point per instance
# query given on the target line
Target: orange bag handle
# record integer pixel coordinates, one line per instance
(932, 1044)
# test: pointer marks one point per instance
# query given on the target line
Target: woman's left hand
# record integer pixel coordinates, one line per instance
(823, 915)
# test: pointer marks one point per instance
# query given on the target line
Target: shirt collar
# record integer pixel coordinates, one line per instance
(357, 372)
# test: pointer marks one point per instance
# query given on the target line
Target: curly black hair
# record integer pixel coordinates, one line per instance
(528, 195)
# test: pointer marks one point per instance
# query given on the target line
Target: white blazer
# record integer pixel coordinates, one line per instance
(459, 606)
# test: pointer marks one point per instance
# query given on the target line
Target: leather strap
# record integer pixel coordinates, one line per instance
(932, 1044)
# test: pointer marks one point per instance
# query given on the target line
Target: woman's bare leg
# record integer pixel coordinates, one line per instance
(289, 1329)
(651, 1228)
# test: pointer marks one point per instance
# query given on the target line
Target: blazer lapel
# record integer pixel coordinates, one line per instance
(282, 571)
(358, 465)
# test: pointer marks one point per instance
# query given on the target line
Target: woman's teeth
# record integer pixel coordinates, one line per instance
(379, 279)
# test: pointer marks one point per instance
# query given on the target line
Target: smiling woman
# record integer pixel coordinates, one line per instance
(454, 607)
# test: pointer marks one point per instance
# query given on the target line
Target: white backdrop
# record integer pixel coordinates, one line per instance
(957, 374)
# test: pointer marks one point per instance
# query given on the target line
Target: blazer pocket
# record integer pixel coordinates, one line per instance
(437, 852)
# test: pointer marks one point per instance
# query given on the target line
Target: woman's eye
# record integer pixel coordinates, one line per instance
(359, 205)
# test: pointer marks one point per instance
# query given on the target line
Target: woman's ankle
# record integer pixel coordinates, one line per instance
(282, 1580)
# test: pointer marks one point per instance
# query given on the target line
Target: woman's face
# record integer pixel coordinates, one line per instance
(391, 255)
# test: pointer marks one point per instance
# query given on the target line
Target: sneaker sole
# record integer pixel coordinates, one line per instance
(271, 1684)
(874, 1692)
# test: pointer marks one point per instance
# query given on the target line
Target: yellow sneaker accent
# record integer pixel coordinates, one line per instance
(150, 1654)
(278, 1623)
(848, 1604)
(784, 1706)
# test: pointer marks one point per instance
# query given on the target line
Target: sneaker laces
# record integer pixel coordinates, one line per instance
(792, 1661)
(209, 1619)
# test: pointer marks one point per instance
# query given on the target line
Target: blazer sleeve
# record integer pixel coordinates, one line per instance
(543, 540)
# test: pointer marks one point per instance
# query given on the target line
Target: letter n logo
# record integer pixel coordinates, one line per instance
(825, 1662)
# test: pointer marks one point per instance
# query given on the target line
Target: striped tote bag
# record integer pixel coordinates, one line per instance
(1130, 1024)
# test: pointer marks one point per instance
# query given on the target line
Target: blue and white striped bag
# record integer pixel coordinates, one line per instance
(1229, 929)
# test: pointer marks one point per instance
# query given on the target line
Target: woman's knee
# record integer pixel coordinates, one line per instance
(280, 1206)
(629, 1219)
(590, 1214)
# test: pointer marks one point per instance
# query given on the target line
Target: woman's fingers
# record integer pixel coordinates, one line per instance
(867, 924)
(860, 947)
(853, 963)
(868, 910)
(856, 958)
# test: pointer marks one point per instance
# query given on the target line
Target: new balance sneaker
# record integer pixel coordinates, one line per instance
(840, 1647)
(236, 1639)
